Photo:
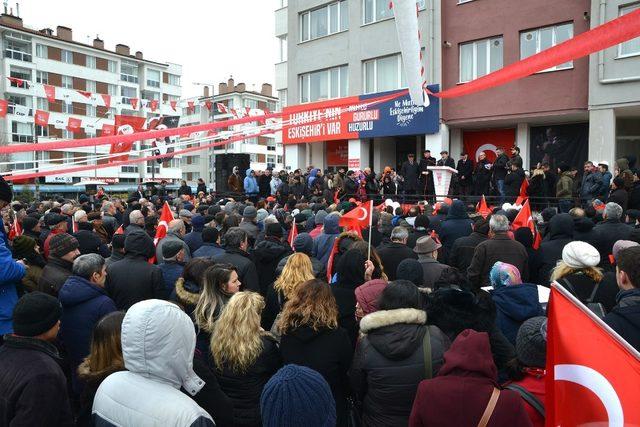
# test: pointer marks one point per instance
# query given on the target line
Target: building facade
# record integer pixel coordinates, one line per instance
(56, 59)
(265, 151)
(614, 90)
(329, 50)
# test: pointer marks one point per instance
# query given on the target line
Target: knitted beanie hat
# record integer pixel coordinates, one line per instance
(23, 246)
(35, 313)
(62, 244)
(297, 396)
(579, 254)
(531, 342)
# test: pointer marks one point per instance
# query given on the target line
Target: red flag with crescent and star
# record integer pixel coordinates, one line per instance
(166, 216)
(524, 219)
(358, 218)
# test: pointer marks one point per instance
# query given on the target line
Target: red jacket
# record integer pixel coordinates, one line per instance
(533, 382)
(48, 240)
(459, 394)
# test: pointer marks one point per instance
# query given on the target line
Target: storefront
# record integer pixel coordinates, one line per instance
(374, 130)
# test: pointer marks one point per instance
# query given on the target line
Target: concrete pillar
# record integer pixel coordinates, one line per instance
(358, 154)
(438, 141)
(295, 156)
(384, 153)
(456, 145)
(602, 136)
(522, 141)
(318, 151)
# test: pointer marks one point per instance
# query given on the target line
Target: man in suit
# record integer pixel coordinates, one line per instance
(445, 160)
(410, 171)
(465, 174)
(426, 178)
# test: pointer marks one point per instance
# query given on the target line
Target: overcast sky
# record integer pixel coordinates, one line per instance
(210, 39)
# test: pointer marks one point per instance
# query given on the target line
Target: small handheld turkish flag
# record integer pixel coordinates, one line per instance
(293, 233)
(524, 219)
(593, 375)
(166, 216)
(483, 209)
(358, 218)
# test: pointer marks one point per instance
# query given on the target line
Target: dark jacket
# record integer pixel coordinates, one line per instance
(410, 172)
(583, 230)
(481, 178)
(498, 248)
(465, 169)
(327, 351)
(323, 244)
(211, 398)
(267, 255)
(115, 257)
(32, 385)
(431, 270)
(90, 383)
(389, 363)
(634, 196)
(54, 274)
(247, 272)
(619, 196)
(201, 188)
(186, 295)
(391, 254)
(466, 380)
(591, 186)
(582, 287)
(89, 241)
(208, 250)
(244, 389)
(83, 304)
(609, 232)
(171, 271)
(133, 279)
(512, 183)
(625, 317)
(456, 225)
(462, 250)
(449, 162)
(133, 228)
(514, 305)
(560, 232)
(193, 240)
(185, 190)
(500, 167)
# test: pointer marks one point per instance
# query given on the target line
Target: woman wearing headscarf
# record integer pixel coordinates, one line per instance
(515, 301)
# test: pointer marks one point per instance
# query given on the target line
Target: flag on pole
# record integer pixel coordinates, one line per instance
(524, 192)
(166, 216)
(120, 230)
(293, 233)
(524, 219)
(357, 218)
(74, 224)
(593, 375)
(483, 209)
(15, 230)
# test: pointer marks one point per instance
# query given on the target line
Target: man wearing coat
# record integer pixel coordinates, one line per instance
(465, 174)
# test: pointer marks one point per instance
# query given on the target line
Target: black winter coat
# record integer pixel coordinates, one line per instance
(462, 250)
(583, 230)
(89, 242)
(500, 167)
(327, 351)
(498, 248)
(512, 184)
(619, 196)
(267, 254)
(54, 274)
(211, 398)
(389, 363)
(560, 233)
(32, 385)
(456, 225)
(465, 169)
(625, 317)
(247, 272)
(244, 389)
(410, 172)
(583, 286)
(481, 178)
(392, 254)
(609, 232)
(634, 196)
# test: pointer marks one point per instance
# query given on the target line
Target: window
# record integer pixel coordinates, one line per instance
(156, 169)
(18, 100)
(66, 56)
(283, 3)
(67, 82)
(112, 89)
(21, 132)
(282, 48)
(67, 108)
(127, 93)
(375, 10)
(20, 73)
(328, 19)
(91, 86)
(42, 104)
(382, 74)
(42, 130)
(324, 84)
(253, 157)
(271, 161)
(153, 78)
(42, 51)
(91, 111)
(174, 80)
(279, 159)
(282, 97)
(129, 169)
(539, 39)
(42, 77)
(422, 4)
(129, 72)
(66, 134)
(251, 103)
(631, 47)
(479, 58)
(251, 141)
(91, 61)
(111, 66)
(17, 50)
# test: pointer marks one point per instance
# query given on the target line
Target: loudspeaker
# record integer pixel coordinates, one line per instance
(224, 168)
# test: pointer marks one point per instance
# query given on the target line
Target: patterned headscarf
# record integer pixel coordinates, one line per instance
(503, 274)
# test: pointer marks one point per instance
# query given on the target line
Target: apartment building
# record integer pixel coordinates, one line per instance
(332, 50)
(55, 58)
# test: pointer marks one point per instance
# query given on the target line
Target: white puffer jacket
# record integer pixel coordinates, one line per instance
(158, 342)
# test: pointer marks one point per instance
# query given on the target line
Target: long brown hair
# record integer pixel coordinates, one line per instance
(312, 304)
(106, 349)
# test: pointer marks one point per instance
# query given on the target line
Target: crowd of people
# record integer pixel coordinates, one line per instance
(261, 309)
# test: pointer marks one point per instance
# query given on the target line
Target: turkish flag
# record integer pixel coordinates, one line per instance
(208, 104)
(487, 142)
(42, 118)
(50, 91)
(125, 125)
(4, 106)
(134, 103)
(18, 82)
(358, 217)
(108, 130)
(221, 108)
(154, 104)
(120, 230)
(74, 125)
(524, 219)
(173, 105)
(191, 107)
(524, 192)
(483, 209)
(593, 375)
(15, 230)
(85, 93)
(166, 216)
(107, 100)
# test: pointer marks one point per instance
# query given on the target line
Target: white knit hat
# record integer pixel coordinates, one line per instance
(580, 255)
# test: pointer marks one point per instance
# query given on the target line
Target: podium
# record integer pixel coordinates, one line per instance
(442, 180)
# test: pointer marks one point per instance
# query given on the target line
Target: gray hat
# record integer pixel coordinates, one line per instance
(320, 216)
(531, 342)
(261, 215)
(426, 245)
(170, 248)
(185, 213)
(250, 212)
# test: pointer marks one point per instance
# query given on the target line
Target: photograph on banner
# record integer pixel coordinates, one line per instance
(163, 145)
(125, 125)
(559, 144)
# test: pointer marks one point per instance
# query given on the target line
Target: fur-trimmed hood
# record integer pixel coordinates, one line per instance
(187, 293)
(384, 318)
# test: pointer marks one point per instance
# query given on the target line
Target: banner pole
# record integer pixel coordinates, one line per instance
(370, 224)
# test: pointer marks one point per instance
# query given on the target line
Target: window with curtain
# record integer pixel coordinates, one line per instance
(479, 58)
(539, 39)
(324, 84)
(375, 10)
(383, 74)
(328, 19)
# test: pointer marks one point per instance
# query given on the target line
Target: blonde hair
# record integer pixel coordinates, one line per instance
(312, 304)
(297, 270)
(561, 270)
(236, 340)
(213, 295)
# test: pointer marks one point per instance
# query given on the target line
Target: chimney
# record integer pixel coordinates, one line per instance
(47, 31)
(241, 87)
(222, 88)
(98, 43)
(138, 55)
(123, 49)
(64, 33)
(205, 91)
(230, 83)
(10, 20)
(266, 89)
